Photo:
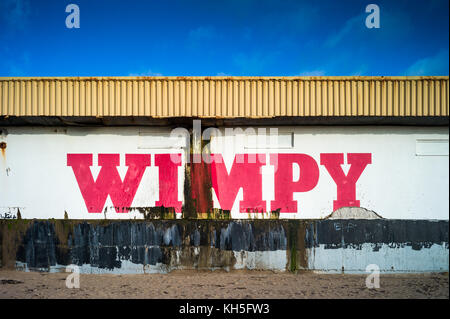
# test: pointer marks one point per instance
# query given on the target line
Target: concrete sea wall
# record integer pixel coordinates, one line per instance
(160, 246)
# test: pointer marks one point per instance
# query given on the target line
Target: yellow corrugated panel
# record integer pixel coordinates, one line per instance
(225, 97)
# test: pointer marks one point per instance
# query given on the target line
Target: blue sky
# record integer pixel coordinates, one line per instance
(235, 37)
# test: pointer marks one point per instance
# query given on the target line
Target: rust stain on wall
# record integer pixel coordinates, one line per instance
(3, 149)
(201, 187)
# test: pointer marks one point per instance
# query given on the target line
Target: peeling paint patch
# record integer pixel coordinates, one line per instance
(353, 213)
(261, 260)
(157, 212)
(10, 212)
(389, 258)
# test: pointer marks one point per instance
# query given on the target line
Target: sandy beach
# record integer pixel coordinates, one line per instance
(220, 285)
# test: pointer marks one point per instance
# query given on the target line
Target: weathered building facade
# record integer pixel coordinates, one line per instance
(320, 173)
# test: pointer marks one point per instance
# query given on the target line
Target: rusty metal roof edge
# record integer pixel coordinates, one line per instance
(221, 78)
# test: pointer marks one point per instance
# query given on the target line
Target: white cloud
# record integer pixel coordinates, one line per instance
(351, 25)
(202, 33)
(432, 65)
(395, 26)
(313, 73)
(14, 13)
(17, 66)
(361, 70)
(255, 63)
(146, 73)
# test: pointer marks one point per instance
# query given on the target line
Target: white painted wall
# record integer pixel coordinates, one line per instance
(398, 184)
(408, 177)
(35, 178)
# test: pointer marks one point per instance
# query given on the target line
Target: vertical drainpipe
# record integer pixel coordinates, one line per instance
(197, 184)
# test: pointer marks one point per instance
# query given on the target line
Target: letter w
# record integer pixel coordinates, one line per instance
(108, 180)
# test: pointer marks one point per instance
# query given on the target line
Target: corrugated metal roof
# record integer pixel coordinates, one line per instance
(224, 97)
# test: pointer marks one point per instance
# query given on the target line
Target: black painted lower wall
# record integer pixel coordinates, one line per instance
(164, 245)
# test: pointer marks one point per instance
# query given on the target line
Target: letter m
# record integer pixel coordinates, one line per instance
(108, 180)
(246, 175)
